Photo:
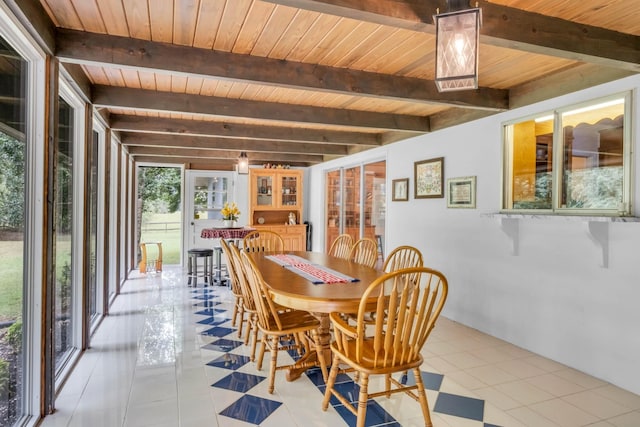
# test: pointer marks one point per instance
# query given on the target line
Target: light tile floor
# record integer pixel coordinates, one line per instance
(167, 356)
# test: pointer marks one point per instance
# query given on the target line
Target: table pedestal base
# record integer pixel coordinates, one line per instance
(310, 359)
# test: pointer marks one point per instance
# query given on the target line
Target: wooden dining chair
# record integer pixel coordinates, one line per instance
(365, 252)
(277, 326)
(248, 304)
(263, 241)
(403, 257)
(341, 246)
(236, 291)
(407, 312)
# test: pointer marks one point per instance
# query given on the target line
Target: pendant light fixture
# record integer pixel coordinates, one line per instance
(457, 41)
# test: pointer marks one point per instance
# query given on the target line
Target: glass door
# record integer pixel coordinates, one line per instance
(356, 203)
(334, 210)
(207, 192)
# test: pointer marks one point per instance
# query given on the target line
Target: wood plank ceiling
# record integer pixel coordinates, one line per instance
(302, 81)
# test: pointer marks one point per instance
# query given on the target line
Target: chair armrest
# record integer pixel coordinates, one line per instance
(341, 326)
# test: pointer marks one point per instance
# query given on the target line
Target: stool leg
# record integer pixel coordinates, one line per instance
(210, 258)
(205, 273)
(189, 269)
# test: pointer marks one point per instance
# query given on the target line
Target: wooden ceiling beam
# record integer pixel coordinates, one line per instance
(501, 26)
(128, 98)
(203, 164)
(91, 48)
(130, 123)
(218, 143)
(228, 155)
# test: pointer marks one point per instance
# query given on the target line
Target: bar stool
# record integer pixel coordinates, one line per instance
(192, 265)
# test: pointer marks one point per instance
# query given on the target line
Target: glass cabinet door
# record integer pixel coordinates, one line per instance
(289, 190)
(264, 193)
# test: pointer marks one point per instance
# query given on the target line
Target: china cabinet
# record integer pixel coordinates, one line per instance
(275, 203)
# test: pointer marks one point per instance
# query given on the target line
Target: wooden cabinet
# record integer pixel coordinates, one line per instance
(274, 196)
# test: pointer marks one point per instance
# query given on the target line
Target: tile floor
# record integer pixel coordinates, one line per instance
(167, 356)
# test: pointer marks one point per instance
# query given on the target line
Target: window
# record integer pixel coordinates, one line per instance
(13, 167)
(64, 235)
(572, 161)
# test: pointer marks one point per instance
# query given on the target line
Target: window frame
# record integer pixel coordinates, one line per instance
(625, 208)
(20, 39)
(74, 100)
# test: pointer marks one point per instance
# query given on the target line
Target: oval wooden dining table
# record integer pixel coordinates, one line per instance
(292, 290)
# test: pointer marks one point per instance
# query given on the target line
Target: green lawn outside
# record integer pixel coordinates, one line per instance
(11, 262)
(10, 280)
(170, 239)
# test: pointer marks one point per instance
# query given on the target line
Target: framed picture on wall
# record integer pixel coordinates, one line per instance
(461, 192)
(428, 179)
(400, 190)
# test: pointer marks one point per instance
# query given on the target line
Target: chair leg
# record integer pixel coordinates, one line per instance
(263, 345)
(273, 364)
(250, 324)
(330, 382)
(234, 317)
(241, 313)
(362, 399)
(387, 385)
(255, 339)
(422, 395)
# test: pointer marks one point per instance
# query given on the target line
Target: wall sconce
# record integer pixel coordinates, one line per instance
(243, 163)
(457, 40)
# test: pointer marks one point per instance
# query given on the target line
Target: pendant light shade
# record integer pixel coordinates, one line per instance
(457, 40)
(243, 163)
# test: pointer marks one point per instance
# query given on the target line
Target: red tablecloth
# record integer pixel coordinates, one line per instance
(225, 233)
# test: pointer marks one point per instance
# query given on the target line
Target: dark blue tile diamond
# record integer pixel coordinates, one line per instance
(218, 331)
(223, 345)
(348, 389)
(214, 321)
(229, 361)
(211, 311)
(376, 415)
(315, 375)
(460, 406)
(239, 381)
(205, 297)
(206, 304)
(431, 381)
(251, 409)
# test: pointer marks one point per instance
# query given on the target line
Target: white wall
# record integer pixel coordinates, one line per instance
(553, 297)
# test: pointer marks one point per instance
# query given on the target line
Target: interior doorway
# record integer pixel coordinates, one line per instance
(160, 212)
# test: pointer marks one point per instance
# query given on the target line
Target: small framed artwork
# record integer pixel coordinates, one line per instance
(461, 192)
(400, 190)
(428, 178)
